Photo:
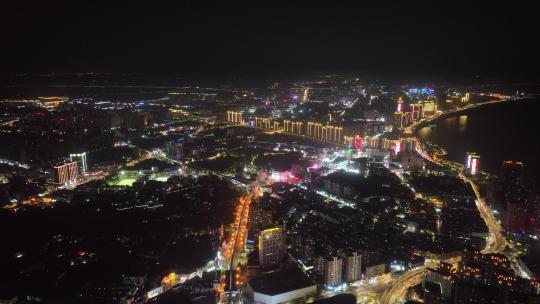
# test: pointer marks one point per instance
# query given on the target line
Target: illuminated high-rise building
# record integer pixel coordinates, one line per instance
(471, 163)
(271, 245)
(330, 270)
(416, 111)
(358, 142)
(409, 144)
(401, 119)
(466, 97)
(429, 108)
(66, 173)
(80, 158)
(235, 117)
(305, 95)
(399, 105)
(353, 267)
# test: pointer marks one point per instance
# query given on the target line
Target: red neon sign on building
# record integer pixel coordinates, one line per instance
(358, 142)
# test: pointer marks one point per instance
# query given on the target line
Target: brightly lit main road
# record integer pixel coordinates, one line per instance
(398, 289)
(496, 241)
(237, 237)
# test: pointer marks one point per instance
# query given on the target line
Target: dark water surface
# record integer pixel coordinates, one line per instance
(497, 132)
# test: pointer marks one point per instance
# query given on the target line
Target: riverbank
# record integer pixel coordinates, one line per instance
(497, 131)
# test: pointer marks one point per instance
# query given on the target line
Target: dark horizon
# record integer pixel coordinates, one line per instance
(458, 41)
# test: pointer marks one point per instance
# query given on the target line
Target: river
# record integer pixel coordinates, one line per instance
(497, 132)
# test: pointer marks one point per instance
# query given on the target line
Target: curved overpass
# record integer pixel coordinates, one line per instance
(399, 287)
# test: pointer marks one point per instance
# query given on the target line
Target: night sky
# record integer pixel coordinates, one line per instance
(406, 39)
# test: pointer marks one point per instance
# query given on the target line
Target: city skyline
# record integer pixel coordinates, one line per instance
(269, 152)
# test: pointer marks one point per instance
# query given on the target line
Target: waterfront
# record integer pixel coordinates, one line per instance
(497, 132)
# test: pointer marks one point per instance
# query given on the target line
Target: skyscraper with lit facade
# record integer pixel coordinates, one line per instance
(399, 105)
(329, 270)
(352, 267)
(271, 245)
(472, 163)
(66, 173)
(80, 158)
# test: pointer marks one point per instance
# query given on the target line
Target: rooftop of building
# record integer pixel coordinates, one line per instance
(280, 282)
(439, 271)
(432, 288)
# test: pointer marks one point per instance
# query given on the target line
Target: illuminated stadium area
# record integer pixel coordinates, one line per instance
(123, 182)
(126, 178)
